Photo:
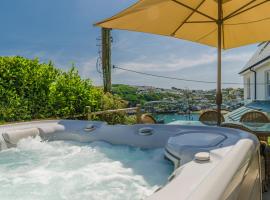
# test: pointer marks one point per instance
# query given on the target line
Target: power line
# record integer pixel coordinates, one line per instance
(181, 79)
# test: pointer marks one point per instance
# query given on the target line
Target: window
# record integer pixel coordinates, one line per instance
(248, 88)
(267, 84)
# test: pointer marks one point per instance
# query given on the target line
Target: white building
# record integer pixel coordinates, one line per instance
(256, 74)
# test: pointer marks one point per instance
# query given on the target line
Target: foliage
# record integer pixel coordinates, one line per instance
(130, 94)
(126, 92)
(33, 90)
(111, 102)
(24, 88)
(69, 94)
(130, 119)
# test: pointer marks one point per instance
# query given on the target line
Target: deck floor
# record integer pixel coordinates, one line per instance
(266, 195)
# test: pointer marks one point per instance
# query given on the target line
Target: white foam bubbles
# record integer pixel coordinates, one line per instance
(60, 170)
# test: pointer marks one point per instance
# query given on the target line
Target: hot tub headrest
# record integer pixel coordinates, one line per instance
(12, 137)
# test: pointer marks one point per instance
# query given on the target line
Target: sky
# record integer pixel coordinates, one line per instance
(63, 31)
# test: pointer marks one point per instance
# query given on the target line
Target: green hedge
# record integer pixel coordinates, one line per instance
(33, 90)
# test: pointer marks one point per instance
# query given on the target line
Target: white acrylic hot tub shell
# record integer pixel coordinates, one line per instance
(232, 172)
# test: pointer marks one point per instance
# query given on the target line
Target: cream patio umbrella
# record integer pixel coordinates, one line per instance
(223, 24)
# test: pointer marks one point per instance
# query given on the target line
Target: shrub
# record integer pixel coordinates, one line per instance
(33, 90)
(24, 88)
(111, 102)
(69, 94)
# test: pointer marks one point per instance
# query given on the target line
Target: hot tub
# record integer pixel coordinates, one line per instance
(210, 163)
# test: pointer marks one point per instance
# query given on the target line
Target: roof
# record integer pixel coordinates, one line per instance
(261, 55)
(263, 106)
(236, 114)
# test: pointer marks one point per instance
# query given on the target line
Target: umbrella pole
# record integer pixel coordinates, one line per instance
(218, 92)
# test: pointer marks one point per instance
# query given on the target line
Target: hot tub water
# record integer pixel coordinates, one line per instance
(73, 171)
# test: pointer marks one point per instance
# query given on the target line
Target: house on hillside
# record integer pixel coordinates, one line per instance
(256, 74)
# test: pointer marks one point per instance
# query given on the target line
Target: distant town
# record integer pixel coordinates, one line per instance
(176, 100)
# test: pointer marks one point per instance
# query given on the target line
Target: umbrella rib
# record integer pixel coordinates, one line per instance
(188, 17)
(190, 8)
(206, 35)
(250, 22)
(199, 22)
(239, 9)
(250, 8)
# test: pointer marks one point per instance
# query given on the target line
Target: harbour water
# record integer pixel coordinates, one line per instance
(167, 118)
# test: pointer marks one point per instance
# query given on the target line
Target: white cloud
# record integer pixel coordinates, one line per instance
(88, 66)
(88, 69)
(171, 64)
(174, 63)
(240, 57)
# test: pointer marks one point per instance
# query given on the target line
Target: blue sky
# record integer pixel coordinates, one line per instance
(62, 31)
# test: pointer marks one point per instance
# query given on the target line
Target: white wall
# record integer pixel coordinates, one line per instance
(261, 82)
(252, 93)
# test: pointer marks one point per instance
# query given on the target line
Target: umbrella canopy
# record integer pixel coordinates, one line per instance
(219, 23)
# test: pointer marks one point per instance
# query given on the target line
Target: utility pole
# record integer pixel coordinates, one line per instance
(106, 59)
